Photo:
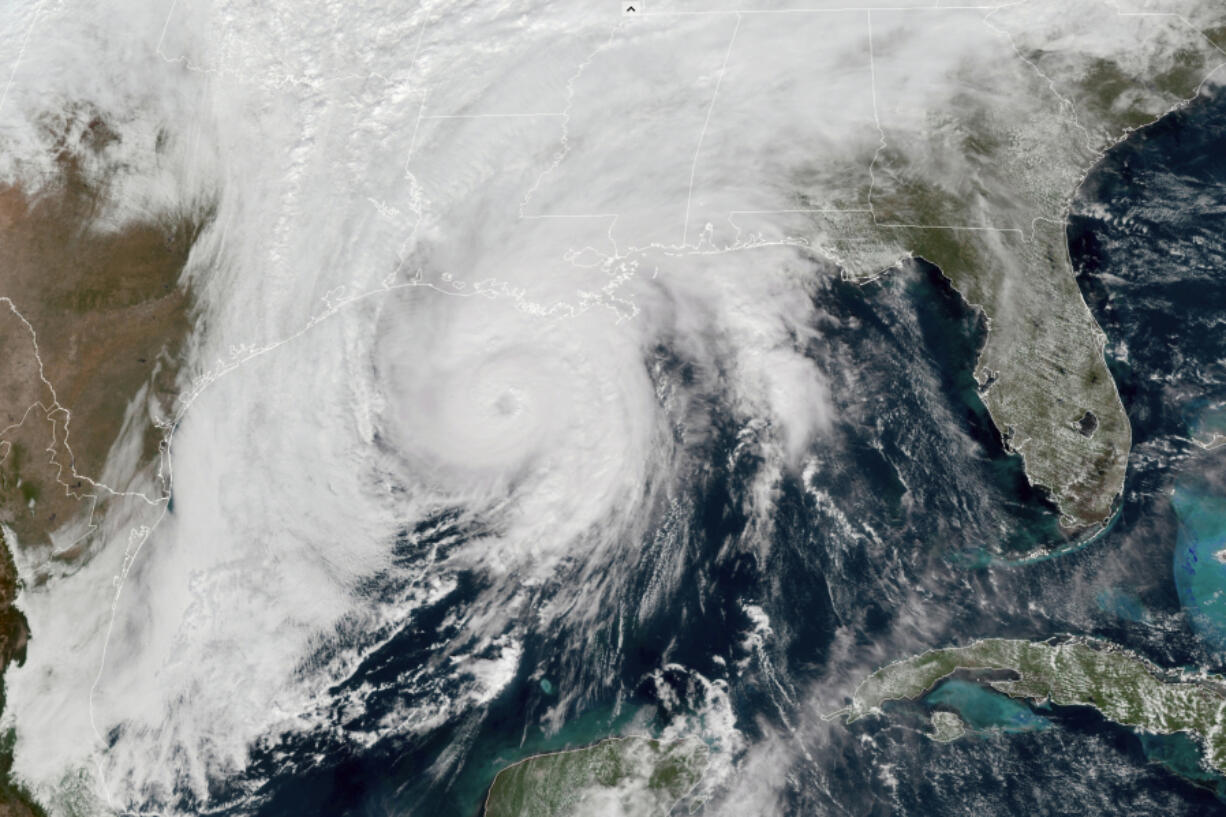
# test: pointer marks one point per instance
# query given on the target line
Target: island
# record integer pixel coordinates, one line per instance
(1122, 686)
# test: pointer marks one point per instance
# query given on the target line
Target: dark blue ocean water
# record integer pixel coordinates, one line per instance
(903, 536)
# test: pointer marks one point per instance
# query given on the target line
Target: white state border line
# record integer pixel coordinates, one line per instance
(838, 10)
(490, 115)
(702, 135)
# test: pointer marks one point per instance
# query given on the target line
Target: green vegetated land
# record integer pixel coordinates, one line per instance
(983, 190)
(1123, 687)
(637, 776)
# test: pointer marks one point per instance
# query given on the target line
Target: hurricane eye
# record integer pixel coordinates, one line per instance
(509, 403)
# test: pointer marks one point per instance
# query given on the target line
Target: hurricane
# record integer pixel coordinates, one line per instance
(417, 386)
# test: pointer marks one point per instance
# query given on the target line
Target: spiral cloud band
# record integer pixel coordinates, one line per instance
(440, 289)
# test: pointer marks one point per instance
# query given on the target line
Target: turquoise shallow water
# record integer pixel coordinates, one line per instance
(1200, 576)
(1206, 420)
(982, 709)
(1182, 755)
(1122, 603)
(471, 786)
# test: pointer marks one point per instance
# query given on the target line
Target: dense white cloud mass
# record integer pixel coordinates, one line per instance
(448, 241)
(416, 294)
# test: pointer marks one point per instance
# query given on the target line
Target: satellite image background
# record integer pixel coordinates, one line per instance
(613, 409)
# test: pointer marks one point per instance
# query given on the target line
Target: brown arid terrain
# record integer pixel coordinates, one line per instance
(92, 319)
